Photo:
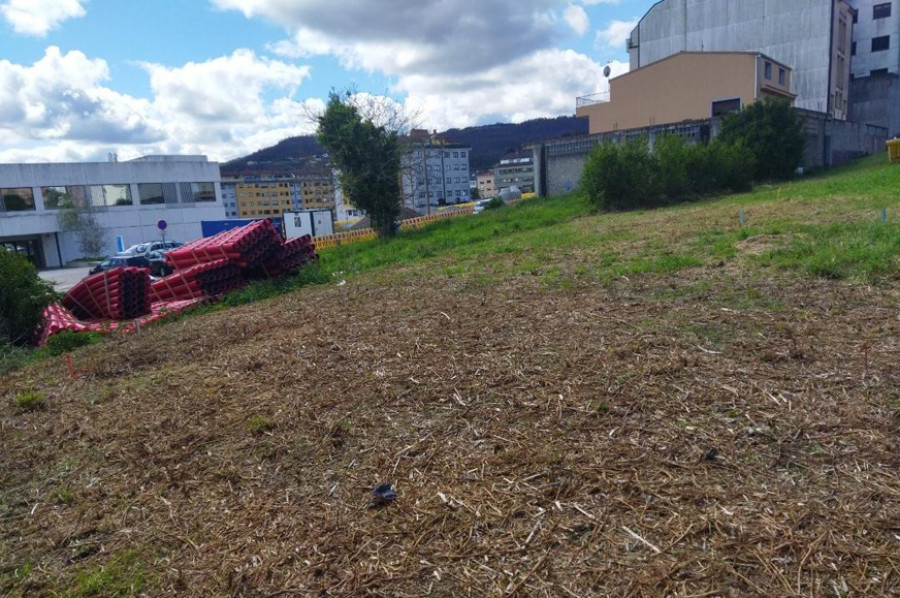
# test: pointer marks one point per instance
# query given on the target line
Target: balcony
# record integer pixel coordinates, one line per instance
(597, 98)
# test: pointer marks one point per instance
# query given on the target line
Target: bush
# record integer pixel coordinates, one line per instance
(23, 296)
(67, 341)
(629, 176)
(494, 204)
(618, 177)
(773, 132)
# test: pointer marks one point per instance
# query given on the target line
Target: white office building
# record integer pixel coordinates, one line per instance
(126, 199)
(876, 38)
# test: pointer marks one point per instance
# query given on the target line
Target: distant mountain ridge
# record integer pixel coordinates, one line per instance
(489, 143)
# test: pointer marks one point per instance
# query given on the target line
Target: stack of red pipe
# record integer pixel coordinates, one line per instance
(56, 319)
(207, 279)
(247, 247)
(117, 294)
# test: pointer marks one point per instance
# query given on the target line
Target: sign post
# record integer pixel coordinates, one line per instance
(162, 225)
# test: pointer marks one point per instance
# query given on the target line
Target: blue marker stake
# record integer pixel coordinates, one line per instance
(742, 218)
(884, 215)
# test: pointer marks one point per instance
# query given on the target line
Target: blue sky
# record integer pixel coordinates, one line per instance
(79, 78)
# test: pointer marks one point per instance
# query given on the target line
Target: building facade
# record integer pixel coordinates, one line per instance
(317, 191)
(875, 64)
(434, 173)
(264, 197)
(126, 199)
(686, 86)
(813, 37)
(515, 170)
(484, 182)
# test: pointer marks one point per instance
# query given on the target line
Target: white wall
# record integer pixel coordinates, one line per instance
(867, 28)
(134, 223)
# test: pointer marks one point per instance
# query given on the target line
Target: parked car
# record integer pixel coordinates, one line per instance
(118, 261)
(144, 248)
(158, 265)
(480, 206)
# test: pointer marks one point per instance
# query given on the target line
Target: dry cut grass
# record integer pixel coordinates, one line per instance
(692, 434)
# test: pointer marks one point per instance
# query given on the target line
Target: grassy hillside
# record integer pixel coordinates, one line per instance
(650, 403)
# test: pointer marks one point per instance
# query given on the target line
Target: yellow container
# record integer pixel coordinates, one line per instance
(894, 151)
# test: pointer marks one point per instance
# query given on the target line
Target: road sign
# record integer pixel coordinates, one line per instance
(162, 225)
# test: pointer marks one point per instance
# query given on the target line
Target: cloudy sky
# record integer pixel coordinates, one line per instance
(81, 78)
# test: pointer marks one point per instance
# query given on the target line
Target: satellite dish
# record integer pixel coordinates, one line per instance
(607, 71)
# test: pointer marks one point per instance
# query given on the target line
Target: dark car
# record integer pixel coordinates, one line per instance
(145, 248)
(158, 265)
(121, 262)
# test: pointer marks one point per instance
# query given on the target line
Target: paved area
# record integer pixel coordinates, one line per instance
(64, 279)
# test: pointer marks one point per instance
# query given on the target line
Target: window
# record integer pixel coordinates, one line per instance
(110, 195)
(19, 199)
(881, 11)
(722, 107)
(151, 193)
(879, 72)
(782, 77)
(855, 16)
(853, 49)
(462, 154)
(880, 44)
(768, 71)
(56, 197)
(203, 191)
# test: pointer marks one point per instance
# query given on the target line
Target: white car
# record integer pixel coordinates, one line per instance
(480, 206)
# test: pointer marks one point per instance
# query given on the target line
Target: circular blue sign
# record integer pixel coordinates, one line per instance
(162, 225)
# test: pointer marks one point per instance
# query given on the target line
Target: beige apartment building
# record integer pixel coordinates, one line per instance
(686, 86)
(261, 198)
(484, 181)
(317, 191)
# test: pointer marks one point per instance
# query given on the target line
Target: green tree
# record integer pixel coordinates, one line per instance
(80, 220)
(23, 296)
(773, 131)
(476, 194)
(368, 157)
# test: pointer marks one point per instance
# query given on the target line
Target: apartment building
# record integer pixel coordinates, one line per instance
(126, 199)
(434, 172)
(812, 37)
(317, 191)
(262, 197)
(515, 170)
(484, 182)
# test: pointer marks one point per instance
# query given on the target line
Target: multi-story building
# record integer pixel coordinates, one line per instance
(875, 64)
(813, 37)
(515, 170)
(263, 197)
(126, 199)
(689, 86)
(317, 191)
(229, 196)
(484, 182)
(434, 172)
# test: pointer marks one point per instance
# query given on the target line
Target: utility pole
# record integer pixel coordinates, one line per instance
(425, 169)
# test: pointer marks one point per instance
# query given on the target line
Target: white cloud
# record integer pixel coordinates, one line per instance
(542, 84)
(38, 17)
(577, 19)
(60, 108)
(615, 35)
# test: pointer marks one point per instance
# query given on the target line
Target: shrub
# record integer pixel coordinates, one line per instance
(620, 177)
(629, 176)
(773, 131)
(29, 401)
(67, 341)
(494, 204)
(23, 296)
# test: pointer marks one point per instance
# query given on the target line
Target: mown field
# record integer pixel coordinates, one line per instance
(658, 403)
